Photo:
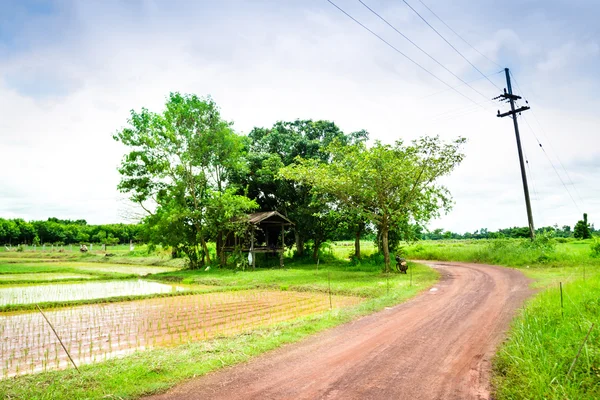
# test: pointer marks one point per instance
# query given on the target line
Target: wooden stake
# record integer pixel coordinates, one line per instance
(580, 347)
(562, 313)
(329, 281)
(58, 337)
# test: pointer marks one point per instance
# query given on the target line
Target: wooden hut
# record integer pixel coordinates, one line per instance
(265, 234)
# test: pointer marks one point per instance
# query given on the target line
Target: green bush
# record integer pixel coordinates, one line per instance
(595, 246)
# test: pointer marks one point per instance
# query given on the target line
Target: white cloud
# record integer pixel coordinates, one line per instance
(566, 54)
(71, 87)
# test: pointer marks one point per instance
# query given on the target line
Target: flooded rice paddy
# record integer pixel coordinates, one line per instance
(81, 291)
(42, 277)
(98, 332)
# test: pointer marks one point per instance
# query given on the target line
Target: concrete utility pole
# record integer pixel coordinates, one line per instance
(510, 97)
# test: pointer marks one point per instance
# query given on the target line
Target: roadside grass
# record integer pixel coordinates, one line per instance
(507, 252)
(543, 343)
(158, 369)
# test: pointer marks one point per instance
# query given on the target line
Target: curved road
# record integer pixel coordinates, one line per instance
(436, 346)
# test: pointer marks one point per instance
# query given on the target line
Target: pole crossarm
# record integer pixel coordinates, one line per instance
(518, 110)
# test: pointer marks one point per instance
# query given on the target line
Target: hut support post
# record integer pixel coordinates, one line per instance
(252, 251)
(282, 248)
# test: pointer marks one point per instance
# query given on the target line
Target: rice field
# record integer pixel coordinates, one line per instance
(97, 332)
(43, 277)
(33, 294)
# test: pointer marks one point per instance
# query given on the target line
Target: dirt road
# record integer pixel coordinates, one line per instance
(436, 346)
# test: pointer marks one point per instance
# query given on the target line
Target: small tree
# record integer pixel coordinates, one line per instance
(392, 185)
(582, 229)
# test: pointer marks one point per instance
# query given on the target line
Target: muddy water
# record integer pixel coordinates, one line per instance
(98, 332)
(81, 291)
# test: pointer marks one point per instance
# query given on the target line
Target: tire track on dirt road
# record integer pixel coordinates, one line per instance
(435, 346)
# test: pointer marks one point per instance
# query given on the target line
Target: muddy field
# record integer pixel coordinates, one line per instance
(97, 332)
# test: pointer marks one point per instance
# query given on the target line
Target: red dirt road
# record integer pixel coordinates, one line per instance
(436, 346)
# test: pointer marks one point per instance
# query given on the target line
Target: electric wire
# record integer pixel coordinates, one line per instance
(533, 186)
(553, 167)
(549, 142)
(401, 53)
(449, 44)
(457, 86)
(423, 51)
(461, 38)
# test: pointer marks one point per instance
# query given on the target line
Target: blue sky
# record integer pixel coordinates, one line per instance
(71, 70)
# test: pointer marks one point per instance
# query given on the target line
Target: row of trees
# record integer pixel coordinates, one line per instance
(54, 230)
(581, 230)
(196, 178)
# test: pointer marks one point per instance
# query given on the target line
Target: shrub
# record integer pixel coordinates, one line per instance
(595, 246)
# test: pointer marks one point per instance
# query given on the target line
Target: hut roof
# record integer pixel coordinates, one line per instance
(268, 217)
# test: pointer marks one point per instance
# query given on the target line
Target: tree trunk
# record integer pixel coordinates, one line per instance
(192, 256)
(316, 250)
(205, 248)
(220, 248)
(357, 244)
(384, 244)
(299, 244)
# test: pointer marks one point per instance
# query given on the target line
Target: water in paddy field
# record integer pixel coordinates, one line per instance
(81, 291)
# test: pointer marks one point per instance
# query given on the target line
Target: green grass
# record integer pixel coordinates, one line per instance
(544, 341)
(508, 252)
(345, 279)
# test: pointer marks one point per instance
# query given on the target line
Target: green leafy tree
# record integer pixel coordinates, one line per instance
(178, 160)
(269, 150)
(393, 185)
(582, 229)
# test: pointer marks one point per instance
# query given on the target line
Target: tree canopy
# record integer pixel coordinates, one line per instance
(269, 150)
(394, 186)
(181, 160)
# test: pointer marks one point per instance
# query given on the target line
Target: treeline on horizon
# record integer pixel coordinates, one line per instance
(17, 231)
(56, 231)
(515, 233)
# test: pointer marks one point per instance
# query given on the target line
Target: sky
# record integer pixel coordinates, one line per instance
(70, 72)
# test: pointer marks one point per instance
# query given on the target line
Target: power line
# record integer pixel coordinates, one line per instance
(533, 185)
(455, 112)
(457, 86)
(461, 38)
(551, 147)
(553, 166)
(423, 51)
(449, 44)
(400, 52)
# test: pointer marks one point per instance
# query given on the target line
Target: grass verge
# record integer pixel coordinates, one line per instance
(544, 341)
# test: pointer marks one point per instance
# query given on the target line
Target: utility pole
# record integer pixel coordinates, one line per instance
(510, 97)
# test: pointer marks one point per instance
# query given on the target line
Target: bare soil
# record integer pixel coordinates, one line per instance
(436, 346)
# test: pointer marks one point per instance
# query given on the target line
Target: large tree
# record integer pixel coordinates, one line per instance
(395, 186)
(181, 160)
(269, 150)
